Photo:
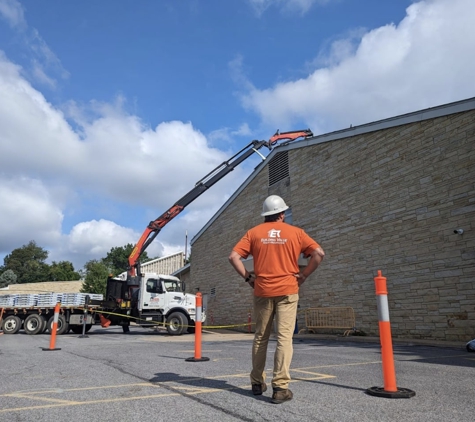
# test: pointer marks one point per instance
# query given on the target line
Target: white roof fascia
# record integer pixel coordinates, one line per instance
(404, 119)
(152, 261)
(417, 116)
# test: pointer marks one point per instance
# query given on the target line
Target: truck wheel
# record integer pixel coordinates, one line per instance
(11, 324)
(176, 323)
(45, 323)
(77, 329)
(63, 325)
(191, 327)
(34, 324)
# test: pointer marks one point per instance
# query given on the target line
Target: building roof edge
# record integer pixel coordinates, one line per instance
(403, 119)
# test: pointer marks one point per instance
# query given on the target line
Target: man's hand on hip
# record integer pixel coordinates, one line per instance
(300, 278)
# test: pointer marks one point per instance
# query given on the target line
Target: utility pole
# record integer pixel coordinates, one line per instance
(186, 246)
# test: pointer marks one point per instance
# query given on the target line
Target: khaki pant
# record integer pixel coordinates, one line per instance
(284, 309)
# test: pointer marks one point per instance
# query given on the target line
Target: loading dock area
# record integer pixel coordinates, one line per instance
(110, 376)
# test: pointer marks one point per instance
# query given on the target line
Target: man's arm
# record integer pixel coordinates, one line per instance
(235, 261)
(316, 257)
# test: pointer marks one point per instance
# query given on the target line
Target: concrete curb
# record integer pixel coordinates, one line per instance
(236, 335)
(370, 339)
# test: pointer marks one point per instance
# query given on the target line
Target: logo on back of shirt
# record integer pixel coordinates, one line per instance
(273, 237)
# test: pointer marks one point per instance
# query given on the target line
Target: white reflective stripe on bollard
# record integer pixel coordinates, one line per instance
(198, 314)
(383, 308)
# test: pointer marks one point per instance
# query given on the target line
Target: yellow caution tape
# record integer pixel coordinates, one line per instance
(164, 324)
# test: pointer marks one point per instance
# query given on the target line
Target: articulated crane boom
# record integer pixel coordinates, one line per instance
(201, 186)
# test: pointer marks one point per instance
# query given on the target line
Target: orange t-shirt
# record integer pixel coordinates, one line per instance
(275, 247)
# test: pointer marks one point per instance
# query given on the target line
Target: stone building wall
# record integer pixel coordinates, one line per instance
(386, 200)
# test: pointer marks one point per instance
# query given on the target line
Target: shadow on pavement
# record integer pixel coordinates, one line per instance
(164, 378)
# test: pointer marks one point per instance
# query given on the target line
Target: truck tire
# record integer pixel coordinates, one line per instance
(191, 327)
(11, 324)
(176, 323)
(45, 323)
(34, 324)
(77, 329)
(63, 325)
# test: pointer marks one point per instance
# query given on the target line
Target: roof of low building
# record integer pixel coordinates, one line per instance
(46, 287)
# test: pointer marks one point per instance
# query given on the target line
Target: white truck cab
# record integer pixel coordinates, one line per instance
(161, 298)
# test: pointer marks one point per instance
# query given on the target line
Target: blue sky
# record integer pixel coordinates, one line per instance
(110, 111)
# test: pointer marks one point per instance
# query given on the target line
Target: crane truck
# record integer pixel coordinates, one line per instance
(151, 299)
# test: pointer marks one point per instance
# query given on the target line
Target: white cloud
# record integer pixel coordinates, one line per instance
(29, 212)
(227, 134)
(421, 62)
(43, 62)
(107, 156)
(243, 130)
(299, 6)
(45, 57)
(34, 137)
(98, 237)
(238, 73)
(12, 12)
(40, 75)
(94, 239)
(114, 154)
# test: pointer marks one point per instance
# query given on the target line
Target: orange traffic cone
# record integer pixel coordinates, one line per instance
(104, 321)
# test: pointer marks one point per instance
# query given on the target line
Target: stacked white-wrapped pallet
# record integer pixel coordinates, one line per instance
(71, 299)
(7, 300)
(77, 299)
(49, 299)
(26, 300)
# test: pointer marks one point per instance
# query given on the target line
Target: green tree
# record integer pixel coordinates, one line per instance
(117, 260)
(95, 280)
(62, 271)
(8, 277)
(28, 263)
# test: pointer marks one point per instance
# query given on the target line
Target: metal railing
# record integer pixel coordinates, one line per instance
(330, 318)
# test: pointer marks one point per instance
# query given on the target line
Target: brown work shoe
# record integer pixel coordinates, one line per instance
(280, 396)
(258, 389)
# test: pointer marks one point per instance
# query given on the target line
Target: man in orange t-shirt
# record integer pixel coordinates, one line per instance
(275, 247)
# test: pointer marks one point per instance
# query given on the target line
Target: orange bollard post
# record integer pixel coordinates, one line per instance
(54, 328)
(390, 389)
(198, 357)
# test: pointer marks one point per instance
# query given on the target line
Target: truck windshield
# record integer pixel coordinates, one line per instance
(172, 286)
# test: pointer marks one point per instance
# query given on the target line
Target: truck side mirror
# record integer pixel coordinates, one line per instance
(183, 286)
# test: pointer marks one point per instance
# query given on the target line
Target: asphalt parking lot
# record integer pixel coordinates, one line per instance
(144, 375)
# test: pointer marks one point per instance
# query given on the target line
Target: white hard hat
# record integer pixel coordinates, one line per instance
(273, 205)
